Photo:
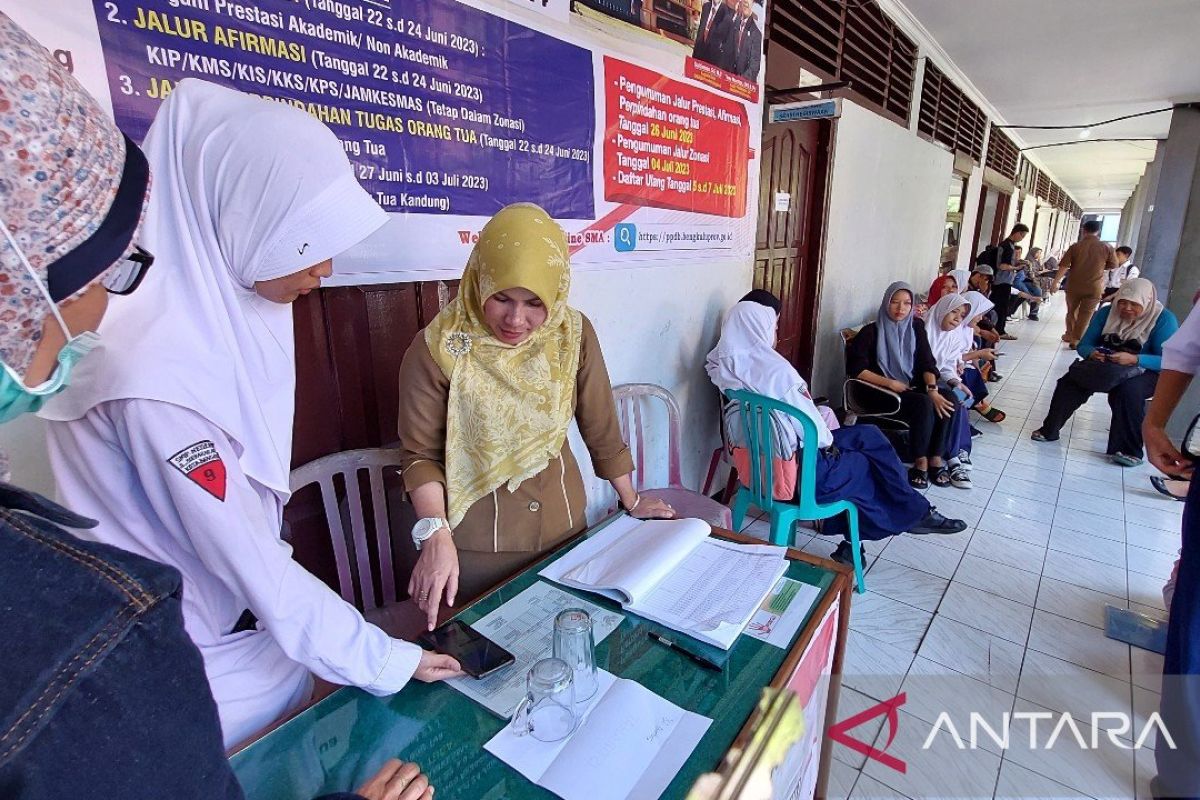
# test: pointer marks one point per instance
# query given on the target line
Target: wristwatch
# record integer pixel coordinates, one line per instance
(428, 527)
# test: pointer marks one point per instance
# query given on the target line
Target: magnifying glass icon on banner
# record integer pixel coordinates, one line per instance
(625, 237)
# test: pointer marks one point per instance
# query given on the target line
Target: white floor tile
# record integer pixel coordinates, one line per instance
(1092, 487)
(914, 587)
(1150, 562)
(942, 770)
(1078, 643)
(1145, 589)
(889, 621)
(875, 668)
(1024, 530)
(990, 613)
(1167, 519)
(1105, 772)
(1075, 602)
(999, 579)
(972, 652)
(1003, 550)
(920, 553)
(1094, 524)
(1103, 506)
(1087, 573)
(1153, 538)
(1062, 686)
(1018, 783)
(1085, 545)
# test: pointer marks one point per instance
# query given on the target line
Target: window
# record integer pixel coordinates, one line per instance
(952, 235)
(1002, 154)
(857, 43)
(948, 116)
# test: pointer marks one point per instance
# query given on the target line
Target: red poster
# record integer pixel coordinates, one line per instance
(668, 144)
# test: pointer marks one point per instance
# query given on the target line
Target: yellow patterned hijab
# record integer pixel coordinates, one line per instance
(509, 405)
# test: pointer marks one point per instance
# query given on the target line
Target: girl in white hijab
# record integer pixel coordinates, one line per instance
(856, 463)
(176, 435)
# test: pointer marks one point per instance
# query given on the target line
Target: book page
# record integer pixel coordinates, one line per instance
(713, 593)
(629, 556)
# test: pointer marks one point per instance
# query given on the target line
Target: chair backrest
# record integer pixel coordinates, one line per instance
(755, 411)
(629, 398)
(348, 464)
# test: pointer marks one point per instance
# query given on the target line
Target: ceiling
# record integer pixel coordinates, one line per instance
(1064, 62)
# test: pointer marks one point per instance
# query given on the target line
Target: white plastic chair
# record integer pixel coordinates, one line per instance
(348, 464)
(629, 398)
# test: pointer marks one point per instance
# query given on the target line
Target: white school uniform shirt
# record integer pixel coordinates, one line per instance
(127, 462)
(176, 433)
(1120, 274)
(1181, 352)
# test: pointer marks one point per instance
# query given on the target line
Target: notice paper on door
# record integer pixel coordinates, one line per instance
(630, 743)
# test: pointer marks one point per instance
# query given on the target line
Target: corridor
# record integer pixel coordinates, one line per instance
(1007, 617)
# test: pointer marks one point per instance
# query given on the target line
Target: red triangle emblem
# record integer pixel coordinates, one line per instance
(202, 465)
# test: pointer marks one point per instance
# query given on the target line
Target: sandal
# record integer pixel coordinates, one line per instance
(993, 415)
(918, 478)
(941, 476)
(1160, 484)
(1038, 436)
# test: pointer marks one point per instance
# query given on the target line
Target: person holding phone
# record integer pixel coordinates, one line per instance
(487, 393)
(178, 436)
(1180, 705)
(893, 354)
(1121, 355)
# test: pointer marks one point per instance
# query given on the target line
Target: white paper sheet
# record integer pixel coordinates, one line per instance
(782, 612)
(630, 744)
(704, 587)
(524, 626)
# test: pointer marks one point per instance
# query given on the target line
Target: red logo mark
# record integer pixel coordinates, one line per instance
(837, 731)
(202, 464)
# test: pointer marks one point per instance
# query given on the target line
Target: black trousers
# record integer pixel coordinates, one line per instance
(926, 430)
(1002, 299)
(1128, 404)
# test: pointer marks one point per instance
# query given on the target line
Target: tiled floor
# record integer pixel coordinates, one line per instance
(1008, 616)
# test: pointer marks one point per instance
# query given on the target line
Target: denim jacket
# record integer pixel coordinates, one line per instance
(102, 693)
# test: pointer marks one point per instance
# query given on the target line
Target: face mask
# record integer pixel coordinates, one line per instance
(15, 397)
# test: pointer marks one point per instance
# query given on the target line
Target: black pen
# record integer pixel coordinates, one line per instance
(701, 660)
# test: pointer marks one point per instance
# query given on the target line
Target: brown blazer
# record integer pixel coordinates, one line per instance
(548, 507)
(1088, 259)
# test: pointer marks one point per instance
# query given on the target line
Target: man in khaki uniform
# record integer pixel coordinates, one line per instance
(1088, 259)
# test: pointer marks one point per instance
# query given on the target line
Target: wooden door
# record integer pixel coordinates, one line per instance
(788, 242)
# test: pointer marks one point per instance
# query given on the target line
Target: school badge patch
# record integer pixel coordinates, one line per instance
(202, 464)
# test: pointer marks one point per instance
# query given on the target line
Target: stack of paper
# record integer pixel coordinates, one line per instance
(630, 743)
(674, 573)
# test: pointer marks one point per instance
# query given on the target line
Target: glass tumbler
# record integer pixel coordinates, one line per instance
(575, 644)
(547, 712)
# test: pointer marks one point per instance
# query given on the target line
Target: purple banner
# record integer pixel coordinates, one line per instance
(443, 108)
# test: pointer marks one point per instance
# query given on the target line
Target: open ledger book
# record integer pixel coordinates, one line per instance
(674, 573)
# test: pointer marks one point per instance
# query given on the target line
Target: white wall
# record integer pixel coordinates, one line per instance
(887, 210)
(656, 326)
(966, 248)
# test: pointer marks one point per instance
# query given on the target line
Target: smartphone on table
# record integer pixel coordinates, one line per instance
(478, 655)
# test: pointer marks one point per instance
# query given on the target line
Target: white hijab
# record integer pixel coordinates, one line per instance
(244, 190)
(979, 305)
(947, 346)
(745, 358)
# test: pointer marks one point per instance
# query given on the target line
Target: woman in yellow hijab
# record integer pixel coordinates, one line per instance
(487, 394)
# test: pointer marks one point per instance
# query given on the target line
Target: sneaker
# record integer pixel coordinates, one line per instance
(1125, 460)
(1008, 337)
(995, 377)
(964, 458)
(1033, 318)
(960, 477)
(844, 555)
(975, 432)
(936, 523)
(1038, 436)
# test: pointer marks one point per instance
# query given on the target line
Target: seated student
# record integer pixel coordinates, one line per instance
(893, 353)
(765, 298)
(133, 716)
(177, 436)
(855, 463)
(487, 393)
(1121, 355)
(977, 356)
(1026, 287)
(944, 325)
(953, 282)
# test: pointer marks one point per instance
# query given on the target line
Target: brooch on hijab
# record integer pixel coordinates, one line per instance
(458, 344)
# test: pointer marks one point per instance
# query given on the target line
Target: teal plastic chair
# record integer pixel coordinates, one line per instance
(756, 423)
